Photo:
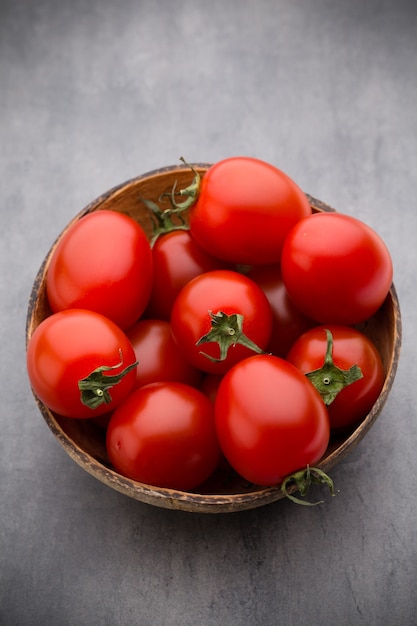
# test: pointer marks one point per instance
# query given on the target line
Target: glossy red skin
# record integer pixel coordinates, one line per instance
(219, 290)
(270, 420)
(288, 321)
(159, 357)
(164, 435)
(350, 347)
(336, 269)
(177, 258)
(102, 263)
(244, 210)
(68, 346)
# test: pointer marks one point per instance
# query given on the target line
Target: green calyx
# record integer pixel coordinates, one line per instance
(329, 380)
(94, 388)
(303, 479)
(227, 331)
(166, 220)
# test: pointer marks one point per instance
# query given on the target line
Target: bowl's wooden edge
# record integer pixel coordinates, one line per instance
(193, 501)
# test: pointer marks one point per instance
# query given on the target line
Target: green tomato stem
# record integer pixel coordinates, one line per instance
(304, 479)
(227, 331)
(329, 380)
(94, 388)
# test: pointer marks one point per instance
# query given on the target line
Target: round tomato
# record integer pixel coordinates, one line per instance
(80, 364)
(270, 420)
(102, 263)
(349, 348)
(336, 268)
(159, 357)
(245, 208)
(288, 321)
(219, 318)
(164, 435)
(177, 258)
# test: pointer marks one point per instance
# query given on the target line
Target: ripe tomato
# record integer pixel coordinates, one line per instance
(244, 210)
(158, 355)
(177, 258)
(336, 269)
(164, 435)
(102, 263)
(80, 347)
(288, 321)
(350, 347)
(270, 420)
(203, 301)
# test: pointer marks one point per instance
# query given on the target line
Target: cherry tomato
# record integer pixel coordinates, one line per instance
(209, 300)
(244, 210)
(210, 385)
(177, 258)
(80, 364)
(270, 420)
(164, 435)
(102, 263)
(350, 348)
(158, 355)
(336, 269)
(288, 321)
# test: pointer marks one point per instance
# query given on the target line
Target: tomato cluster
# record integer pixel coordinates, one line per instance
(230, 334)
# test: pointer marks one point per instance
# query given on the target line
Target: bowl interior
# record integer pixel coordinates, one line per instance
(225, 491)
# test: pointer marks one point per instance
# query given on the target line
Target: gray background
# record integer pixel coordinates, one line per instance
(93, 93)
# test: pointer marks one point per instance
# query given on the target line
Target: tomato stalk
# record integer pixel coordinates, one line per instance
(329, 380)
(94, 388)
(227, 331)
(304, 479)
(190, 193)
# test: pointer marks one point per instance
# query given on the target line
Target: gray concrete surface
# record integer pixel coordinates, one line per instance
(95, 92)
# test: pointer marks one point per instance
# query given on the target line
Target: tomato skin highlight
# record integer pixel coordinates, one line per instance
(219, 290)
(159, 357)
(65, 348)
(164, 435)
(336, 268)
(177, 258)
(350, 347)
(270, 420)
(244, 210)
(102, 263)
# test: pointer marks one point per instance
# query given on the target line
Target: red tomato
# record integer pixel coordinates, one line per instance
(164, 435)
(158, 355)
(102, 263)
(336, 269)
(177, 258)
(270, 420)
(288, 321)
(350, 347)
(220, 291)
(68, 347)
(244, 210)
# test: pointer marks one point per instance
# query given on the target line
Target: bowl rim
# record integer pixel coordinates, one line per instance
(194, 501)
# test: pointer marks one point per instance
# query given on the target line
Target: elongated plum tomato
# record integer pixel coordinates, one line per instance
(270, 420)
(177, 258)
(212, 294)
(350, 347)
(164, 435)
(159, 357)
(102, 263)
(336, 268)
(244, 210)
(68, 347)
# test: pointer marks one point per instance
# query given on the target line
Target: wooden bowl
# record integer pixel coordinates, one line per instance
(84, 441)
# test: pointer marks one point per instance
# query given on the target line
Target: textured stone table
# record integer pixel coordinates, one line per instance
(93, 93)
